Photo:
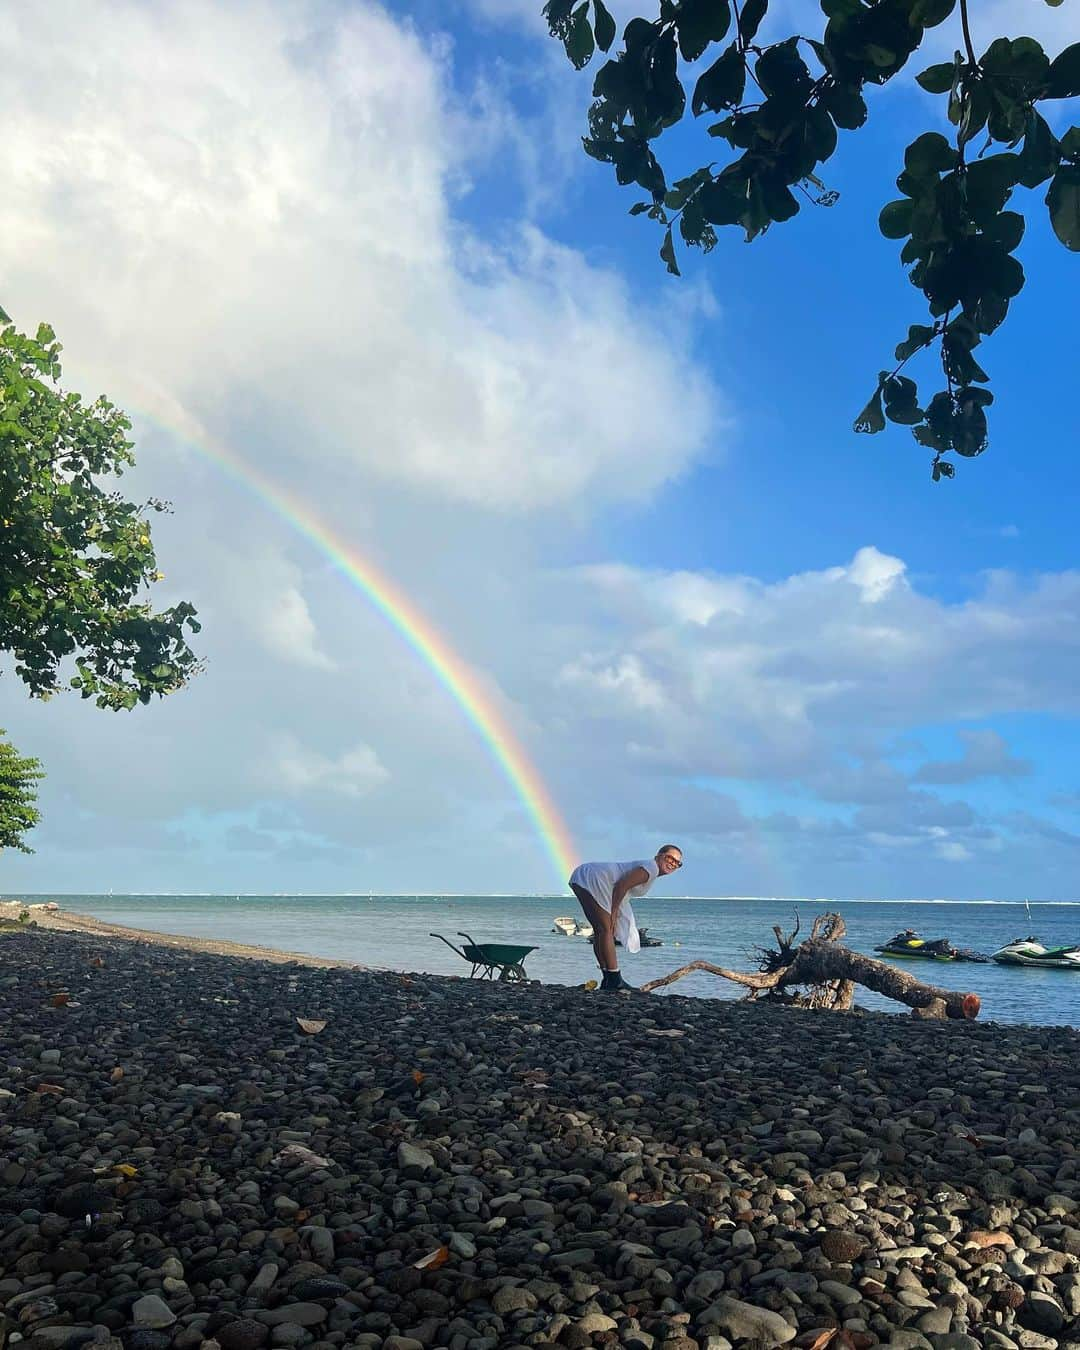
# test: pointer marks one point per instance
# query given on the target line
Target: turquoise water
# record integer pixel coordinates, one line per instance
(393, 932)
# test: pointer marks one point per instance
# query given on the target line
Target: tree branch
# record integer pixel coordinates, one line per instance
(967, 33)
(755, 982)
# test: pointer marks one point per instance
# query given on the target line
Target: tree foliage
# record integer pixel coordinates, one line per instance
(775, 112)
(77, 559)
(19, 778)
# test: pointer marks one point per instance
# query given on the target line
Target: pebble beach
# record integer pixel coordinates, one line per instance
(204, 1149)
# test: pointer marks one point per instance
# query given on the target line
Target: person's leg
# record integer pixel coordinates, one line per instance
(603, 939)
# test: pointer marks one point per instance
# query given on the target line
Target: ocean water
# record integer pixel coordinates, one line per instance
(394, 932)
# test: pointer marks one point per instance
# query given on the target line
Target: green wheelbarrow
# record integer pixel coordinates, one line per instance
(490, 960)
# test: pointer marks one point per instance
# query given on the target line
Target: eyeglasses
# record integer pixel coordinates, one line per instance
(670, 858)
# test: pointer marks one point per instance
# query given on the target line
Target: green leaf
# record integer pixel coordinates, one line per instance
(894, 222)
(756, 218)
(820, 134)
(1007, 118)
(1019, 63)
(1063, 80)
(753, 11)
(901, 401)
(667, 254)
(701, 22)
(723, 201)
(579, 43)
(639, 208)
(939, 416)
(782, 74)
(603, 25)
(929, 155)
(872, 419)
(929, 13)
(937, 79)
(989, 183)
(1070, 143)
(919, 335)
(1006, 229)
(557, 13)
(665, 99)
(1039, 157)
(780, 202)
(5, 317)
(845, 105)
(1063, 199)
(974, 109)
(722, 85)
(969, 431)
(956, 345)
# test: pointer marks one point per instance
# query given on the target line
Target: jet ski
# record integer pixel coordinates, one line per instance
(1031, 952)
(908, 944)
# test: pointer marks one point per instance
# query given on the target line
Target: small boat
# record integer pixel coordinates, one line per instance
(1031, 952)
(908, 945)
(572, 928)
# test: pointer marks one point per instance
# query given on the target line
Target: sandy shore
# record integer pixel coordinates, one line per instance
(424, 1163)
(62, 921)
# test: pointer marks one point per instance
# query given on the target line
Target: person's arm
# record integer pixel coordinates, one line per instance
(637, 876)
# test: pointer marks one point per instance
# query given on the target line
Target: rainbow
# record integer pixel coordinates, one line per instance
(408, 620)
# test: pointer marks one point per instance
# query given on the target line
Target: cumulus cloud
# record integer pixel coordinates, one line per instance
(257, 202)
(761, 677)
(808, 685)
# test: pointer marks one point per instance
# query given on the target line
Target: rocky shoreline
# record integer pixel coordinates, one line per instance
(66, 921)
(429, 1162)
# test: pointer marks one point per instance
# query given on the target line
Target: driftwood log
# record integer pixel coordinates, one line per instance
(829, 973)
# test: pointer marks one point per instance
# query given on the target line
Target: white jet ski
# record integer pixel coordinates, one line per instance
(1031, 952)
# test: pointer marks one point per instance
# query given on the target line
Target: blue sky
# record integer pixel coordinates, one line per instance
(634, 502)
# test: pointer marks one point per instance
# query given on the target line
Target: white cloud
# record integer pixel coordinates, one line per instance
(623, 683)
(297, 769)
(289, 630)
(802, 685)
(255, 198)
(874, 573)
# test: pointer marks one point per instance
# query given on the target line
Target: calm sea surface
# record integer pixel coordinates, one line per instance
(394, 932)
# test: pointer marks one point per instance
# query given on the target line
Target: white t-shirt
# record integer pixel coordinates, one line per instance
(599, 878)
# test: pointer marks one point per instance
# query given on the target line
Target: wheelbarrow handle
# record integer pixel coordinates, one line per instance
(450, 945)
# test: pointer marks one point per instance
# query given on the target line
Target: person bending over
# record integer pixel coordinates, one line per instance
(604, 891)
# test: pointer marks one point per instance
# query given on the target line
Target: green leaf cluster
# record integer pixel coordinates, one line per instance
(779, 106)
(19, 777)
(77, 560)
